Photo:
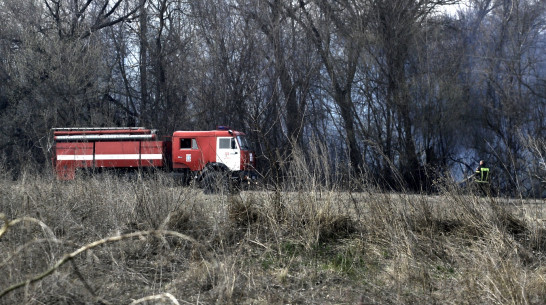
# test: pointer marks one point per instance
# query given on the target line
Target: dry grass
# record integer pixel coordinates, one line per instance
(308, 243)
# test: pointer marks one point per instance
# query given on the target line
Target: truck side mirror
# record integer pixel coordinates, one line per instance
(233, 145)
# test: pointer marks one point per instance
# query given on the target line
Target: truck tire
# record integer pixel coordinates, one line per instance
(215, 182)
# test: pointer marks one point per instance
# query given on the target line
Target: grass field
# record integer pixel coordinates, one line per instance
(111, 240)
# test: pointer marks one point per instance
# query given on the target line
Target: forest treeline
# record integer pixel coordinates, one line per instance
(394, 89)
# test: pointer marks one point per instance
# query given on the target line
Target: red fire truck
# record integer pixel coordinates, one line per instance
(207, 157)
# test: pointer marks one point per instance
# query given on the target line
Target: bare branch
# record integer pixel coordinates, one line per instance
(70, 256)
(163, 296)
(9, 223)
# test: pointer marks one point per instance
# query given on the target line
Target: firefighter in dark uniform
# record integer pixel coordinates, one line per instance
(481, 177)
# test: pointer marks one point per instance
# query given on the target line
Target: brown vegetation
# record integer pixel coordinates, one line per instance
(115, 240)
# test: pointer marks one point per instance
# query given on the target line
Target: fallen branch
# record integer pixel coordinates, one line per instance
(9, 223)
(70, 256)
(162, 297)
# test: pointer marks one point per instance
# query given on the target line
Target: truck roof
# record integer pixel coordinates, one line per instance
(103, 134)
(102, 130)
(209, 133)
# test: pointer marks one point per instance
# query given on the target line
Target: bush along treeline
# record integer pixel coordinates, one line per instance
(402, 90)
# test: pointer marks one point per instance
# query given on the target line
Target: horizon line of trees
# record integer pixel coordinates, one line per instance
(395, 88)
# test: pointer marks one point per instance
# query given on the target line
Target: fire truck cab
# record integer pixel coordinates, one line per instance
(206, 155)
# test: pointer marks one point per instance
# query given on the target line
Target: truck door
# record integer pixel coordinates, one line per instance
(227, 152)
(186, 153)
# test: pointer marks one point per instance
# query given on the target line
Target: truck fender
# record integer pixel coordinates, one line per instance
(216, 166)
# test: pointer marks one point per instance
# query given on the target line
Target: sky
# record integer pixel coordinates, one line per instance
(452, 9)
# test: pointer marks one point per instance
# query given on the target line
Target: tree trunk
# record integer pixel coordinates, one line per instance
(143, 64)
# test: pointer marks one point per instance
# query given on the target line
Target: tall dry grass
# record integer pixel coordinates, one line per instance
(308, 240)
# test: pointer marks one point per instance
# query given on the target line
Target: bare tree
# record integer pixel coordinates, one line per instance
(227, 69)
(58, 75)
(143, 64)
(396, 27)
(334, 30)
(506, 87)
(291, 60)
(75, 19)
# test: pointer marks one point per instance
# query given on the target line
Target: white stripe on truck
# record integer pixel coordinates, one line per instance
(103, 137)
(109, 157)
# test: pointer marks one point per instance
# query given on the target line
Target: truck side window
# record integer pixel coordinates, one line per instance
(224, 143)
(188, 144)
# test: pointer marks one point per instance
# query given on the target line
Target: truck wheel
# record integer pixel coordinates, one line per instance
(215, 182)
(181, 178)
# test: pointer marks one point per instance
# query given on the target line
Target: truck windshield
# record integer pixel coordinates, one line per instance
(243, 142)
